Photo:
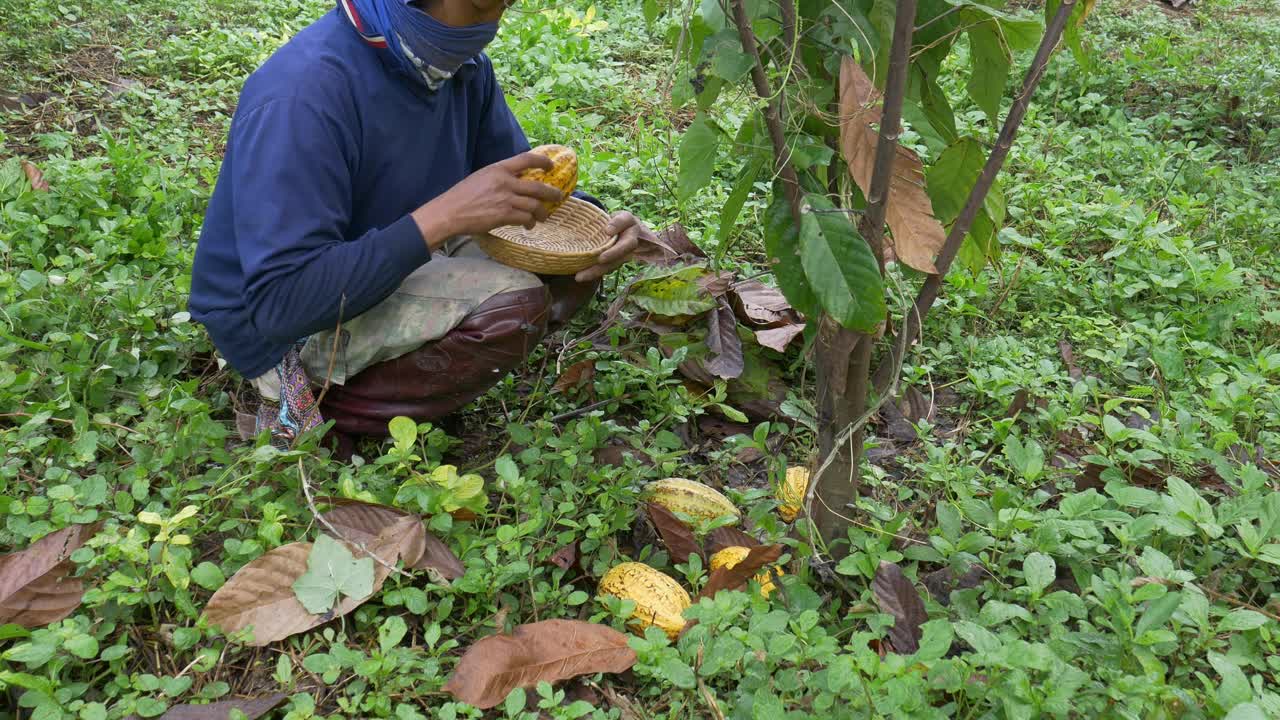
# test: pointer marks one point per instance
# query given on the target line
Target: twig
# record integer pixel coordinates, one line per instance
(311, 504)
(333, 351)
(977, 196)
(1238, 603)
(588, 408)
(64, 421)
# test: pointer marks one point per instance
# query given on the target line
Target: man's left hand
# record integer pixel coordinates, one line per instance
(629, 231)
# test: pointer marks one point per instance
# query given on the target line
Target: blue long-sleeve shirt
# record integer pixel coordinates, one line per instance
(330, 149)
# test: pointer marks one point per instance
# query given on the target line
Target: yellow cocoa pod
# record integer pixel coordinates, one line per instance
(660, 601)
(691, 498)
(791, 492)
(731, 556)
(563, 176)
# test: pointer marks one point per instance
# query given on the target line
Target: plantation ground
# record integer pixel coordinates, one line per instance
(1101, 433)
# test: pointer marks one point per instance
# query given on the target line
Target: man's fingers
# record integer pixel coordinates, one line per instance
(535, 189)
(621, 248)
(619, 222)
(591, 274)
(526, 161)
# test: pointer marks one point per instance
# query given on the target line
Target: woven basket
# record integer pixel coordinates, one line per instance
(566, 242)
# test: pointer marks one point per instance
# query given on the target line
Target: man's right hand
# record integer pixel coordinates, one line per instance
(488, 198)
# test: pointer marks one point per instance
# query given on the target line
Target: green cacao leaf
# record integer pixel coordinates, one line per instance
(782, 243)
(673, 293)
(697, 156)
(990, 61)
(733, 206)
(840, 267)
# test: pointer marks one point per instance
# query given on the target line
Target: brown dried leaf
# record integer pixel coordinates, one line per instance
(916, 406)
(36, 587)
(671, 247)
(551, 650)
(724, 537)
(778, 338)
(738, 575)
(410, 542)
(898, 597)
(677, 536)
(260, 595)
(716, 283)
(941, 583)
(759, 304)
(1018, 404)
(35, 176)
(251, 707)
(725, 359)
(566, 557)
(1069, 358)
(917, 234)
(576, 375)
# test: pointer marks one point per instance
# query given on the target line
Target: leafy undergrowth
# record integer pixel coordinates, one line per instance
(1079, 480)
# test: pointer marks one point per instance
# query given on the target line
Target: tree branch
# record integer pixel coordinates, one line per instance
(772, 113)
(978, 195)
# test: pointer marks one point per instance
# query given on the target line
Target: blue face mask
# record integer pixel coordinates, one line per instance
(426, 49)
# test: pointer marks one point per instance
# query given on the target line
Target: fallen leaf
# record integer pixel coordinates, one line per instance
(779, 338)
(916, 407)
(718, 428)
(260, 595)
(550, 651)
(759, 304)
(1018, 404)
(725, 359)
(677, 536)
(576, 375)
(898, 597)
(419, 550)
(251, 707)
(35, 176)
(671, 246)
(716, 283)
(36, 587)
(917, 236)
(246, 426)
(1069, 357)
(566, 557)
(941, 583)
(737, 576)
(615, 456)
(723, 537)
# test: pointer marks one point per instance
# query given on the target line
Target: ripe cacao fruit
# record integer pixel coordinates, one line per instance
(791, 492)
(731, 556)
(660, 601)
(563, 176)
(691, 498)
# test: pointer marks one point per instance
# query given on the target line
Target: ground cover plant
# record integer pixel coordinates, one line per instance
(1069, 505)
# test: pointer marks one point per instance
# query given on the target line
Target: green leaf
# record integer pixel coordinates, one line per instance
(1025, 457)
(952, 176)
(208, 576)
(782, 243)
(651, 11)
(1242, 619)
(1246, 711)
(979, 638)
(697, 157)
(1039, 571)
(84, 647)
(935, 641)
(673, 293)
(990, 68)
(733, 206)
(1158, 612)
(1234, 688)
(404, 431)
(840, 267)
(332, 571)
(937, 110)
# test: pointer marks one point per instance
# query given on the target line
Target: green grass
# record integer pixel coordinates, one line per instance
(1143, 231)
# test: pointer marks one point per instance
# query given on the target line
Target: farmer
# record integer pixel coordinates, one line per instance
(362, 156)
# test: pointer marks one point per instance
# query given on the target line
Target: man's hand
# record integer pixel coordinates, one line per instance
(629, 231)
(488, 198)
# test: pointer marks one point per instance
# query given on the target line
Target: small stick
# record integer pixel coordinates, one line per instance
(587, 408)
(311, 503)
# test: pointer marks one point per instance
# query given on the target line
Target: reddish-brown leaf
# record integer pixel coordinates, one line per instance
(759, 304)
(1069, 358)
(671, 246)
(251, 707)
(566, 557)
(418, 549)
(724, 537)
(738, 575)
(36, 587)
(35, 176)
(917, 234)
(897, 596)
(778, 338)
(677, 536)
(725, 359)
(1018, 404)
(576, 375)
(716, 283)
(551, 651)
(915, 406)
